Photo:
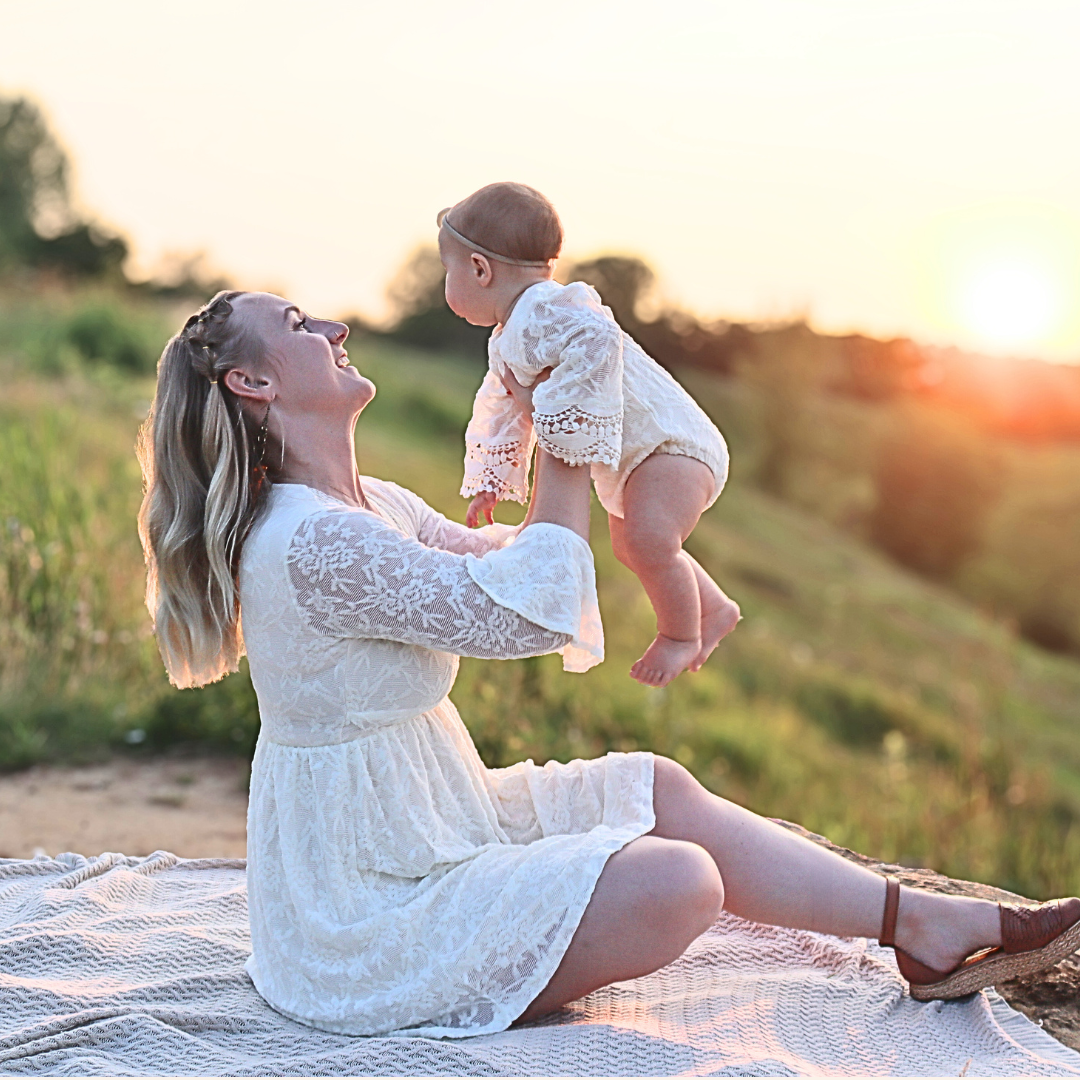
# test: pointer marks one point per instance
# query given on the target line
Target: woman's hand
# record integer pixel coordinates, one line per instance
(482, 506)
(523, 395)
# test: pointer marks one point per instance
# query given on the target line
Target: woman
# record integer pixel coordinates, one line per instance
(395, 883)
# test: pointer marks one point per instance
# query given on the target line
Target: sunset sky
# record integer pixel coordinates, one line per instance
(895, 167)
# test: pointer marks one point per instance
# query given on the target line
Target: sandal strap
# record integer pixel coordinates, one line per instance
(892, 906)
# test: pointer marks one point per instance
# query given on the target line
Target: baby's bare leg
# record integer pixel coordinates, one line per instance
(719, 613)
(662, 501)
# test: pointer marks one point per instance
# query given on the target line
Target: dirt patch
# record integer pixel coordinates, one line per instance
(191, 806)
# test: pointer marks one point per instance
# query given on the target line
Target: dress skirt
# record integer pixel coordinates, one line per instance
(397, 885)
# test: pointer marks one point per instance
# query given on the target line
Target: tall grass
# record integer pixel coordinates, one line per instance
(854, 698)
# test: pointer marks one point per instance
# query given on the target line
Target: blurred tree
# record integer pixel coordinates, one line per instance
(672, 337)
(185, 276)
(422, 318)
(32, 178)
(38, 226)
(785, 367)
(877, 370)
(421, 315)
(624, 284)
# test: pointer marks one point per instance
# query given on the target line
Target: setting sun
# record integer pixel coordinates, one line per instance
(1003, 278)
(1011, 302)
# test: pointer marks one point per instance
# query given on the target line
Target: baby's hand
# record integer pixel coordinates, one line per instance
(482, 505)
(523, 395)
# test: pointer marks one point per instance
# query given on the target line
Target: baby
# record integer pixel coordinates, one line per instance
(597, 399)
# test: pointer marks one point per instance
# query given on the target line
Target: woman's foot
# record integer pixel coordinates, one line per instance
(940, 931)
(719, 616)
(664, 659)
(972, 943)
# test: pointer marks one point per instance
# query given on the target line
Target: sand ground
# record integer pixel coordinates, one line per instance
(191, 806)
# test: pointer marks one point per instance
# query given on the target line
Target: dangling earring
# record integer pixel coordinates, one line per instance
(260, 438)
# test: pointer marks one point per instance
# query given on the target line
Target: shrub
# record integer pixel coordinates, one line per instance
(101, 335)
(937, 482)
(223, 717)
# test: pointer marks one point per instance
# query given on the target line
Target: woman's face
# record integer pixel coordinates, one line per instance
(304, 358)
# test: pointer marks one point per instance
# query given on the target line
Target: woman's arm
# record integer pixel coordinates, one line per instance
(560, 491)
(560, 495)
(355, 576)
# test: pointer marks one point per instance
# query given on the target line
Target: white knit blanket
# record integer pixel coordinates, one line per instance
(122, 966)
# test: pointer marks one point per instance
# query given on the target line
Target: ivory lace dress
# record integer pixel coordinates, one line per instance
(607, 403)
(395, 883)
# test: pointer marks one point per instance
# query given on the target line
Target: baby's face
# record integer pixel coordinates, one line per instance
(467, 283)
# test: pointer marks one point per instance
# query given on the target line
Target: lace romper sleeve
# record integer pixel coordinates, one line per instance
(498, 444)
(578, 411)
(356, 576)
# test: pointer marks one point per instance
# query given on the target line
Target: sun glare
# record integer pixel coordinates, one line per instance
(1011, 302)
(1004, 278)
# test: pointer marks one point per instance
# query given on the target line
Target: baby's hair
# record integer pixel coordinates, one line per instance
(512, 220)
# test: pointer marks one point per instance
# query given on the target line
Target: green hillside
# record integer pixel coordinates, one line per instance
(854, 697)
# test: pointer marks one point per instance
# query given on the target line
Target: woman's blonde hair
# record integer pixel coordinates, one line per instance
(204, 484)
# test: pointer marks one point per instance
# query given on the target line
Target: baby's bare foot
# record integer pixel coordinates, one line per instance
(664, 659)
(716, 623)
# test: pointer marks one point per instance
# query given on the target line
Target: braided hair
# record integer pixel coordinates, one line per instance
(205, 481)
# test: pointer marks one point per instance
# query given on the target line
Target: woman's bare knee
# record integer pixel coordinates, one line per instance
(690, 892)
(701, 893)
(670, 885)
(652, 900)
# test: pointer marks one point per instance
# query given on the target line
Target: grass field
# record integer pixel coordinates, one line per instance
(855, 698)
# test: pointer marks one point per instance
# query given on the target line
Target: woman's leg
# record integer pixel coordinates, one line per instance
(657, 894)
(772, 875)
(652, 899)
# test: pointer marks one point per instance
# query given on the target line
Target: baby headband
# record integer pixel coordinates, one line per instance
(443, 223)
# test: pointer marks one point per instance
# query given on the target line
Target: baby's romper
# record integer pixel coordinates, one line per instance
(607, 404)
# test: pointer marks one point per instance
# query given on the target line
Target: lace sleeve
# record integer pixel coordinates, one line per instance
(498, 444)
(437, 531)
(355, 576)
(578, 411)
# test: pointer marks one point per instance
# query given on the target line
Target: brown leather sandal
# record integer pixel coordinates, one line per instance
(1033, 937)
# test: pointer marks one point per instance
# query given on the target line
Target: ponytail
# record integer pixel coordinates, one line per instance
(204, 483)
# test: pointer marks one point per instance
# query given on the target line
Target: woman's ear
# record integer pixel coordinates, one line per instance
(248, 386)
(481, 269)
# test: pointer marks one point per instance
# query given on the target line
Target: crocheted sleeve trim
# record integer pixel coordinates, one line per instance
(355, 576)
(578, 411)
(499, 444)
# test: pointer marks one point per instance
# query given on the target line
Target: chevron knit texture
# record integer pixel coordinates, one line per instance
(124, 966)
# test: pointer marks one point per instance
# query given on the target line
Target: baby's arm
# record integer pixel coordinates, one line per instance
(578, 412)
(482, 507)
(498, 447)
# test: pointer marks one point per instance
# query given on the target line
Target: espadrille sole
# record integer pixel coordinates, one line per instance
(998, 967)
